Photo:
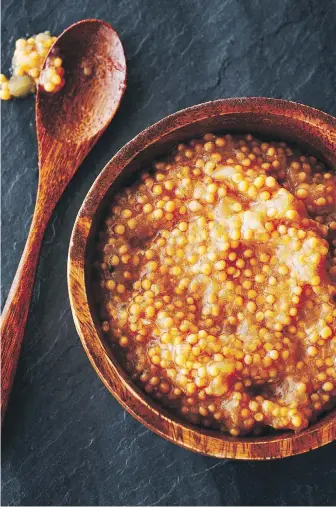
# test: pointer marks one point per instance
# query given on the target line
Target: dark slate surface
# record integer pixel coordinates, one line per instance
(66, 441)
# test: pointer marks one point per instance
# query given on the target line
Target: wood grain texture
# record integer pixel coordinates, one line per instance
(269, 118)
(68, 124)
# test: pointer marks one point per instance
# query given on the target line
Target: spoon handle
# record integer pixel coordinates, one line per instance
(15, 313)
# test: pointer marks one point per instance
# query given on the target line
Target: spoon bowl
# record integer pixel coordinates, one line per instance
(94, 83)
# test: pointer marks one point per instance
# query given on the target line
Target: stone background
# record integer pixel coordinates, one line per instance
(66, 441)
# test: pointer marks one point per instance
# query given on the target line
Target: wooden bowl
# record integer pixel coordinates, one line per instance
(315, 132)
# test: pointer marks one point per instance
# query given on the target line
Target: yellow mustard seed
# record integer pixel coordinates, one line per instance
(224, 274)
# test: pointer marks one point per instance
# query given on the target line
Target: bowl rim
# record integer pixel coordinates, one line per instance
(168, 426)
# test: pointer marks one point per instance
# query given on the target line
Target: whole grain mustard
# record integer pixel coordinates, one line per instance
(27, 63)
(215, 282)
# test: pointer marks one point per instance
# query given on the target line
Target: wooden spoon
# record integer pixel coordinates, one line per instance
(68, 123)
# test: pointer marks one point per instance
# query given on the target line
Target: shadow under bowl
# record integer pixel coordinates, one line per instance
(313, 131)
